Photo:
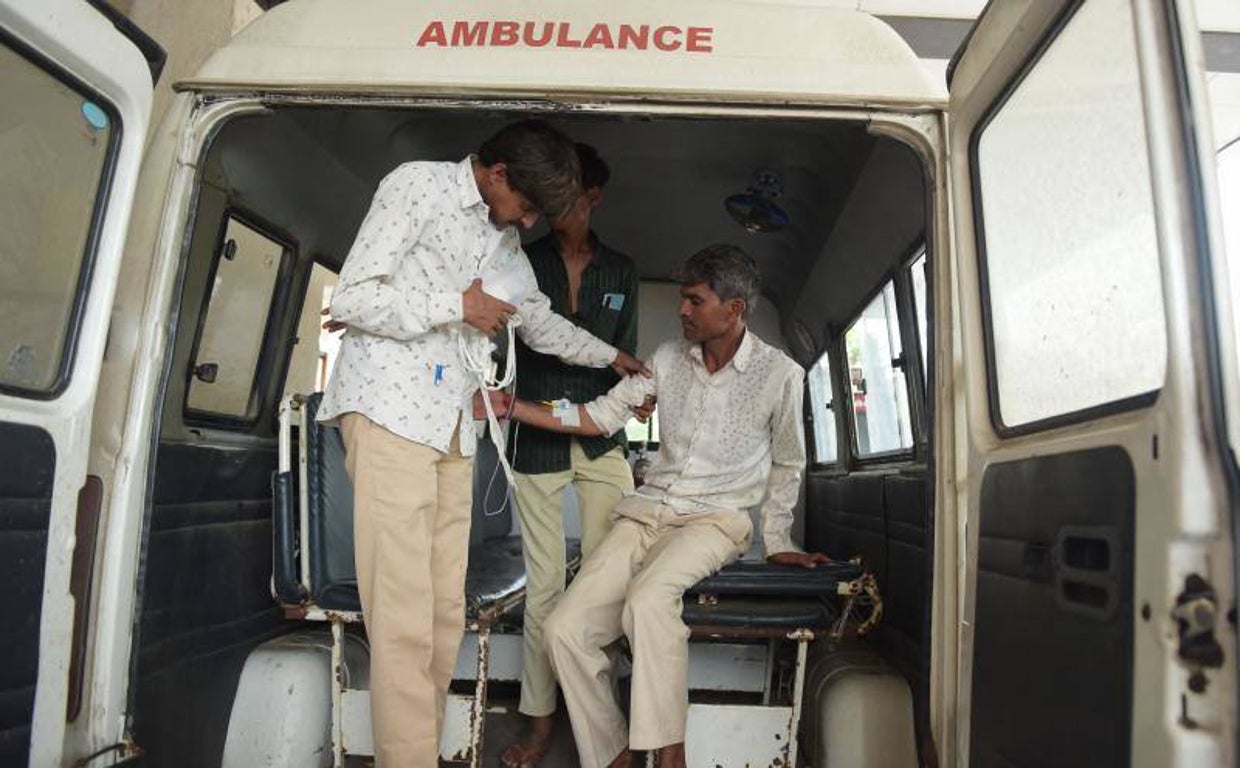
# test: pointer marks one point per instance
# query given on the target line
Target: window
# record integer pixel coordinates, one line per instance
(876, 379)
(917, 275)
(1073, 298)
(647, 433)
(231, 342)
(56, 145)
(316, 349)
(822, 411)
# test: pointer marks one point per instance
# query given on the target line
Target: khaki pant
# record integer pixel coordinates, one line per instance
(600, 484)
(411, 515)
(634, 583)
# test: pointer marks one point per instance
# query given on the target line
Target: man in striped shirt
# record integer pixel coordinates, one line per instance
(595, 287)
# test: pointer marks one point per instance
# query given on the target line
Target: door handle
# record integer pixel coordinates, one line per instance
(1085, 561)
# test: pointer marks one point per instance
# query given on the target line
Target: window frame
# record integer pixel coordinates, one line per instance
(269, 356)
(103, 192)
(808, 410)
(845, 375)
(1001, 429)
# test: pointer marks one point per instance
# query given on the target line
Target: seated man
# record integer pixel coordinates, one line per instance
(731, 436)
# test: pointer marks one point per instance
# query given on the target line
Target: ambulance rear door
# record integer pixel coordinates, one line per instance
(1095, 481)
(75, 97)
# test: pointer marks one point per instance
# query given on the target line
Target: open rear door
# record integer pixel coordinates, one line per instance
(1097, 486)
(75, 96)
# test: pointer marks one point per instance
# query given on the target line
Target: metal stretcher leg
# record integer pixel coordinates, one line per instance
(338, 678)
(477, 715)
(803, 637)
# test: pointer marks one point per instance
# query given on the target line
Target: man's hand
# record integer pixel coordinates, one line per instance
(331, 324)
(803, 559)
(627, 365)
(642, 412)
(501, 403)
(483, 311)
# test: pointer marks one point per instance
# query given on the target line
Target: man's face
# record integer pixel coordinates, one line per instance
(509, 208)
(577, 218)
(704, 316)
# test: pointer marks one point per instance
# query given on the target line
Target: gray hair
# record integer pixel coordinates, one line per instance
(728, 270)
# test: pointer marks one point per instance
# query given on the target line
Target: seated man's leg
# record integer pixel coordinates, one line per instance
(587, 619)
(688, 550)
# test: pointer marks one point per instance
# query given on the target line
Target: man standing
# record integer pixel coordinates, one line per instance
(730, 438)
(410, 296)
(595, 287)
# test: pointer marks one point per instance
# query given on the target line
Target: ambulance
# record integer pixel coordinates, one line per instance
(1009, 291)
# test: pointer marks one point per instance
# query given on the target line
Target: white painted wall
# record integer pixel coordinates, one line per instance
(189, 32)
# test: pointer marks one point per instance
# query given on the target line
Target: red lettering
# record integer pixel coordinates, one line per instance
(660, 38)
(537, 42)
(505, 33)
(637, 38)
(433, 35)
(599, 37)
(699, 40)
(563, 40)
(463, 33)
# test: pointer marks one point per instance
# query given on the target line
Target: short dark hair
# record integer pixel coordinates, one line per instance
(541, 161)
(728, 270)
(594, 170)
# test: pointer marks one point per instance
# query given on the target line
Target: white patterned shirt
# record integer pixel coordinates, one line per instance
(426, 237)
(731, 440)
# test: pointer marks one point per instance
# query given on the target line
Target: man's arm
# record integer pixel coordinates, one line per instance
(784, 484)
(364, 298)
(604, 415)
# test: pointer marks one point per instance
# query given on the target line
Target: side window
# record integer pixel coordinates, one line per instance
(315, 352)
(876, 379)
(648, 433)
(57, 142)
(1072, 296)
(822, 411)
(917, 277)
(230, 344)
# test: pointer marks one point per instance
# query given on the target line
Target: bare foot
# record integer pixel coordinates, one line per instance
(528, 753)
(623, 760)
(672, 756)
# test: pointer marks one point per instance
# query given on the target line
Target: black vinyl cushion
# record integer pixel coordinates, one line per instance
(754, 578)
(757, 613)
(496, 568)
(333, 577)
(759, 595)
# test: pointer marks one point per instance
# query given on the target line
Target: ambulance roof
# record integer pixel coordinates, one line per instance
(729, 50)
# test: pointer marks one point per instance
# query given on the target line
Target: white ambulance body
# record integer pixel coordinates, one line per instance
(1010, 294)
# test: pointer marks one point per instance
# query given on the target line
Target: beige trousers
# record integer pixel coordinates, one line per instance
(411, 515)
(600, 484)
(634, 583)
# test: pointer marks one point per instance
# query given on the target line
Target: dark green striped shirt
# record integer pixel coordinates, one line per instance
(607, 308)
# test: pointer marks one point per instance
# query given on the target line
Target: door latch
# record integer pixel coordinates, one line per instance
(1196, 615)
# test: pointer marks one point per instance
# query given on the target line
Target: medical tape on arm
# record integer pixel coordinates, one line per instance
(566, 412)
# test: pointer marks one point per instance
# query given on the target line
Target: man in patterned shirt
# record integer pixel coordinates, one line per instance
(596, 287)
(411, 298)
(730, 438)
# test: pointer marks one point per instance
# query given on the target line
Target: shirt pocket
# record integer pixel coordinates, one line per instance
(606, 316)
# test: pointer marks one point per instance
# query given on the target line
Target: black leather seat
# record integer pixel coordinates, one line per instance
(762, 596)
(496, 572)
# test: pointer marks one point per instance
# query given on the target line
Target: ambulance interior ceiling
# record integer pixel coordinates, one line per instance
(855, 202)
